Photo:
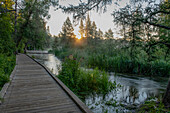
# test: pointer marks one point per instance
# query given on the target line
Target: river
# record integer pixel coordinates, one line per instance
(134, 90)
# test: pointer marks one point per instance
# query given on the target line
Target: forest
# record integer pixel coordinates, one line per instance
(143, 49)
(20, 28)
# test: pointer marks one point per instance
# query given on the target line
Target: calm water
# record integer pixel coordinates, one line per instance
(50, 61)
(133, 91)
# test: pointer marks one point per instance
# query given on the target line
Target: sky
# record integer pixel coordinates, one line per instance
(104, 21)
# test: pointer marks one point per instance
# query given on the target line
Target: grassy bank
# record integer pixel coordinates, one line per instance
(123, 64)
(83, 82)
(153, 106)
(7, 64)
(118, 61)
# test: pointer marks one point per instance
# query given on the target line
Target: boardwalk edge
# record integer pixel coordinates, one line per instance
(6, 85)
(78, 102)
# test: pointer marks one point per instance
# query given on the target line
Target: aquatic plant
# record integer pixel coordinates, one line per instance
(153, 107)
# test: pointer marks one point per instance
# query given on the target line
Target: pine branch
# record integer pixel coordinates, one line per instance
(154, 24)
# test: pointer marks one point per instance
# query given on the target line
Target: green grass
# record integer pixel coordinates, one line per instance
(153, 107)
(7, 64)
(123, 64)
(119, 61)
(83, 82)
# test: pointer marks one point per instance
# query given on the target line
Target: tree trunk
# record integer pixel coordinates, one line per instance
(15, 25)
(15, 18)
(166, 98)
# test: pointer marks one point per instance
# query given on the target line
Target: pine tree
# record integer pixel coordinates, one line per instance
(93, 30)
(81, 28)
(100, 34)
(67, 33)
(88, 28)
(67, 29)
(109, 34)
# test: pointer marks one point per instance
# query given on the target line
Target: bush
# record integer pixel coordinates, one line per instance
(83, 82)
(7, 64)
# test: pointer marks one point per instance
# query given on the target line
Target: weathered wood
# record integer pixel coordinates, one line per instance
(33, 89)
(36, 52)
(6, 85)
(67, 90)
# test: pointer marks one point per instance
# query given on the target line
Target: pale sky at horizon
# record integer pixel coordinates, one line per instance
(104, 21)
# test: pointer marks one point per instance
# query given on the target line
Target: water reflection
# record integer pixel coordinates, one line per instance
(50, 61)
(134, 90)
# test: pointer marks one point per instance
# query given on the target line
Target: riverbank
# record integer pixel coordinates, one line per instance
(134, 91)
(118, 61)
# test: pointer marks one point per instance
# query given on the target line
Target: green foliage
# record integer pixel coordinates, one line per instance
(118, 60)
(109, 34)
(6, 28)
(83, 82)
(7, 45)
(31, 28)
(3, 79)
(67, 35)
(153, 107)
(62, 53)
(81, 28)
(88, 28)
(31, 32)
(123, 64)
(112, 102)
(7, 64)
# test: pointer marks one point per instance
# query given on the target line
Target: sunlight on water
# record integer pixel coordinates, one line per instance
(53, 64)
(50, 61)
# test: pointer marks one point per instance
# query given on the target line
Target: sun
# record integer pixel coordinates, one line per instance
(78, 37)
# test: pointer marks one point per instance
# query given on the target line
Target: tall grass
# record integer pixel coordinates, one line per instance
(123, 64)
(83, 82)
(119, 60)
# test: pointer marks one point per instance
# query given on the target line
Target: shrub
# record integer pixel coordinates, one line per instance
(83, 82)
(7, 64)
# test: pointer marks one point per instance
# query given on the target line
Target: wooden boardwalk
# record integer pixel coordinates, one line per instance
(36, 52)
(34, 90)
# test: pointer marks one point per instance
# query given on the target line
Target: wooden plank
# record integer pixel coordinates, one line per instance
(82, 106)
(57, 109)
(32, 90)
(36, 52)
